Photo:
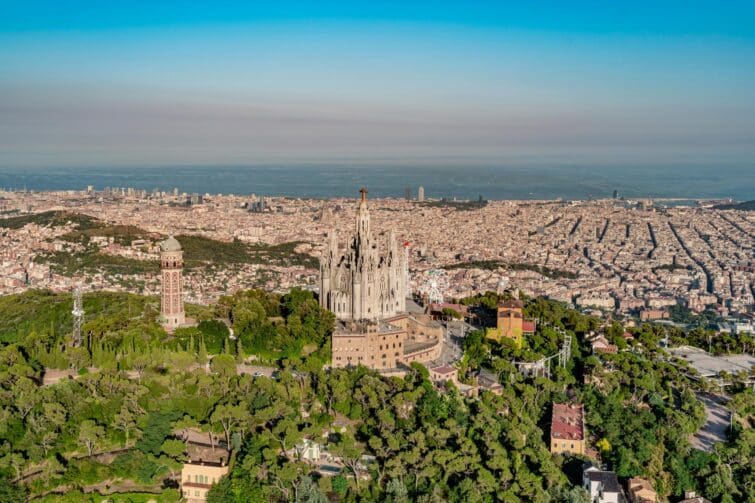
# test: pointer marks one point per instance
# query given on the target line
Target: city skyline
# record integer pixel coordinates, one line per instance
(383, 251)
(165, 84)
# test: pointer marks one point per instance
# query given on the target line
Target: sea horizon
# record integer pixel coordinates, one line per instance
(318, 181)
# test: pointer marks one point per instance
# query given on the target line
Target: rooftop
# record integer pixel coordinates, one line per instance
(567, 421)
(608, 479)
(710, 366)
(412, 346)
(443, 369)
(512, 304)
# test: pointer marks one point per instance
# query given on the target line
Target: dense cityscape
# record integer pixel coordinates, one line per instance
(631, 257)
(605, 310)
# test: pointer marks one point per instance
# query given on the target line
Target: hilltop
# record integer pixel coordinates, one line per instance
(743, 206)
(116, 426)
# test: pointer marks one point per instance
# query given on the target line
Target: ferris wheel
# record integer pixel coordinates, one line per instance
(435, 285)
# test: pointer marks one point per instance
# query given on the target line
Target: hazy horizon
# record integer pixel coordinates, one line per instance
(163, 83)
(325, 181)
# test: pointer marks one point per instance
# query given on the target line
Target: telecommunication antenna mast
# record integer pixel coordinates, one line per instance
(78, 317)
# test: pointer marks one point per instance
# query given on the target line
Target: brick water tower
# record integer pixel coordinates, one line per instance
(171, 303)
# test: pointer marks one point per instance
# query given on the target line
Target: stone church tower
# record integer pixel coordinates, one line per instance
(171, 302)
(360, 283)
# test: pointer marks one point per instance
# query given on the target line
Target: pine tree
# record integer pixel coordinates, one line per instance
(202, 356)
(239, 351)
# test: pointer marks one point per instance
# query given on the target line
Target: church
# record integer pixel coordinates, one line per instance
(367, 291)
(361, 283)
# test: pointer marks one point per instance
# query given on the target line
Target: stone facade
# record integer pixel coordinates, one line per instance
(373, 345)
(171, 301)
(360, 283)
(386, 344)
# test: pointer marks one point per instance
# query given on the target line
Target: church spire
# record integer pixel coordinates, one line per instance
(363, 218)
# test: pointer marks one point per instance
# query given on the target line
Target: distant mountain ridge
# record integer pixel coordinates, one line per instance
(744, 206)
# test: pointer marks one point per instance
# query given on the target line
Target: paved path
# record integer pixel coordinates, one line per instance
(716, 422)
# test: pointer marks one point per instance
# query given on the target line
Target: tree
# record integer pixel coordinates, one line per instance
(223, 365)
(306, 491)
(571, 495)
(125, 421)
(397, 490)
(78, 357)
(90, 435)
(174, 448)
(239, 351)
(155, 432)
(140, 364)
(25, 396)
(11, 493)
(221, 492)
(350, 453)
(229, 417)
(12, 460)
(340, 485)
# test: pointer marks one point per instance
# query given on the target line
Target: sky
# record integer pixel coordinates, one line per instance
(159, 83)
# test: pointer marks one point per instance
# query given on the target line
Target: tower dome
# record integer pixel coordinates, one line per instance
(170, 245)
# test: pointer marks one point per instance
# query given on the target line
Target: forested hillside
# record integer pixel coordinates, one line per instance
(113, 426)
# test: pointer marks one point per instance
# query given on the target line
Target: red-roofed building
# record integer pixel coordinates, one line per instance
(601, 345)
(568, 429)
(528, 327)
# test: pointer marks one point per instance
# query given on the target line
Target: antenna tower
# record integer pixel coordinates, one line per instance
(78, 317)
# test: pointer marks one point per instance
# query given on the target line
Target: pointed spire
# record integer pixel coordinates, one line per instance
(332, 241)
(363, 218)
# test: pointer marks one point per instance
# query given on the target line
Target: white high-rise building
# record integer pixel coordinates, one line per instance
(421, 194)
(360, 283)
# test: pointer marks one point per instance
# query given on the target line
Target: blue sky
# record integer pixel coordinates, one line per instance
(160, 83)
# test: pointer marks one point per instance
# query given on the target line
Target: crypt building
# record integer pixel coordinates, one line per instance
(367, 291)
